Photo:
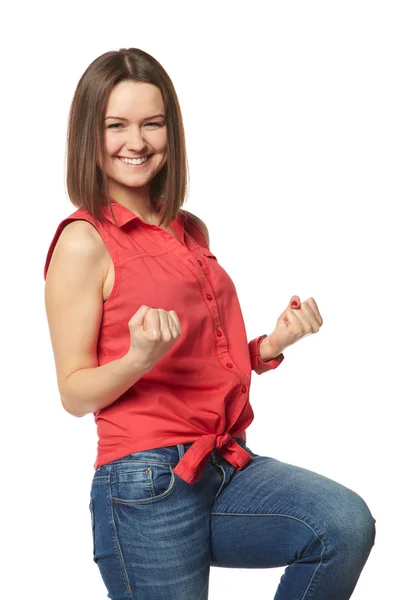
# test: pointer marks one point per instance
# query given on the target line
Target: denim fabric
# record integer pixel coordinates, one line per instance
(155, 536)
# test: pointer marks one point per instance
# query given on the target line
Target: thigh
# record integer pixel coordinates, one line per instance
(151, 529)
(270, 513)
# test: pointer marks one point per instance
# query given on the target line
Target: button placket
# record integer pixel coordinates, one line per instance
(208, 292)
(201, 268)
(211, 298)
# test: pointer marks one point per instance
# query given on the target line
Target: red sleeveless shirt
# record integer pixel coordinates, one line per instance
(199, 391)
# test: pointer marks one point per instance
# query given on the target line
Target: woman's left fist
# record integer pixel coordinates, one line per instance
(296, 322)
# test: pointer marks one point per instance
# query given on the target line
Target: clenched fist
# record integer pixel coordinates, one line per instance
(153, 332)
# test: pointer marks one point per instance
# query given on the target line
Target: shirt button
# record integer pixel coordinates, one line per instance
(200, 263)
(229, 365)
(219, 333)
(244, 389)
(208, 296)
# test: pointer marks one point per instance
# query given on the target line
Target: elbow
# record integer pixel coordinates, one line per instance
(67, 403)
(70, 410)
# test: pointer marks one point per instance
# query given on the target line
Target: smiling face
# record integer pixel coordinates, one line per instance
(134, 126)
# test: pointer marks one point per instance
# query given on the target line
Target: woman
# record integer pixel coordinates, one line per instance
(148, 335)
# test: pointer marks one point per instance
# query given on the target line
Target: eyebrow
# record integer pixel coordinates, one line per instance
(123, 118)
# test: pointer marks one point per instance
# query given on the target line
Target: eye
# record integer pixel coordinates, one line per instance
(115, 125)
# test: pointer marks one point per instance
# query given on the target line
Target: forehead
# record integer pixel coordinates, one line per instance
(130, 98)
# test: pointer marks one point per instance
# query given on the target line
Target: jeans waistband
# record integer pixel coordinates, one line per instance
(164, 455)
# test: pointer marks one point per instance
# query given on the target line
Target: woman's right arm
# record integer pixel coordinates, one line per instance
(74, 308)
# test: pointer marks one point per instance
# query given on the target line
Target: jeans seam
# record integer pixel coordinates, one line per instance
(269, 515)
(91, 509)
(313, 575)
(281, 515)
(119, 551)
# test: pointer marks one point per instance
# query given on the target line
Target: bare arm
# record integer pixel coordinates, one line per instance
(74, 307)
(88, 390)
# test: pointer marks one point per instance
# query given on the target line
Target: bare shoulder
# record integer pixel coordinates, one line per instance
(82, 237)
(82, 233)
(202, 226)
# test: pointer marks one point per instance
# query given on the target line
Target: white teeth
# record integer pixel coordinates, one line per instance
(132, 161)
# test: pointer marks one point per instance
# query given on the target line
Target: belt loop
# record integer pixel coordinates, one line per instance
(181, 450)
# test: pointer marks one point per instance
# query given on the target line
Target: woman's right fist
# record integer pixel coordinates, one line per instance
(153, 332)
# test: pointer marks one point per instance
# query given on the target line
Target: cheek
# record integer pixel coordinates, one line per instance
(111, 146)
(159, 142)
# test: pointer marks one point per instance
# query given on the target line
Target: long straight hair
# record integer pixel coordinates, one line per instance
(87, 184)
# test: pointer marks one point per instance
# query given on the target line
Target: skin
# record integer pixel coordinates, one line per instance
(137, 136)
(292, 325)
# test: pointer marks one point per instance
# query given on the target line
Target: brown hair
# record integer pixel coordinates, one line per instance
(86, 182)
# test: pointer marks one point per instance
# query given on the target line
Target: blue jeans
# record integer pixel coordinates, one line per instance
(156, 536)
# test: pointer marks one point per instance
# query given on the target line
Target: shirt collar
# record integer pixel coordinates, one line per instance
(124, 215)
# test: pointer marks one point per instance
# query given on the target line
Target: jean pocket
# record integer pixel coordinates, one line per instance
(141, 484)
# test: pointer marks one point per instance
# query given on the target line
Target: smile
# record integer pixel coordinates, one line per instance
(134, 163)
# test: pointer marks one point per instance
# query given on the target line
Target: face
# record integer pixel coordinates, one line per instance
(134, 126)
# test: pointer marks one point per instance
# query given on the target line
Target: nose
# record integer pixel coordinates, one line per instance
(135, 142)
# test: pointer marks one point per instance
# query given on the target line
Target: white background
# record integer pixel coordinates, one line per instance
(291, 114)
